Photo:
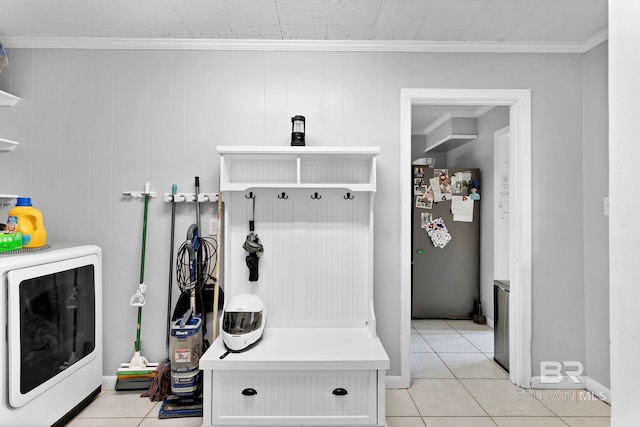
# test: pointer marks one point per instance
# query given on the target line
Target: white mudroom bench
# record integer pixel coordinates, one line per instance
(320, 361)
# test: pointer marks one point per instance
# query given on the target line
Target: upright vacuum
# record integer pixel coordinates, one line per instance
(195, 264)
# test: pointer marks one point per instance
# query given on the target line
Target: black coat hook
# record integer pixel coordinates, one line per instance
(250, 196)
(349, 196)
(283, 196)
(316, 196)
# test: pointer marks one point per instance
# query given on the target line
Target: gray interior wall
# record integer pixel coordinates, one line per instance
(595, 186)
(418, 144)
(93, 123)
(479, 154)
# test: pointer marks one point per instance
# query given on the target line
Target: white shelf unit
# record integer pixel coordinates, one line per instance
(314, 216)
(7, 144)
(7, 199)
(7, 100)
(242, 168)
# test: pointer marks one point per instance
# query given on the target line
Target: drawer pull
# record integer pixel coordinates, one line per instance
(249, 392)
(340, 392)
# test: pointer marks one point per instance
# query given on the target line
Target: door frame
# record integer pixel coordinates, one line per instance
(519, 103)
(497, 139)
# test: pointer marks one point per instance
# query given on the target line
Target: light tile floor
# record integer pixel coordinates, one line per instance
(455, 383)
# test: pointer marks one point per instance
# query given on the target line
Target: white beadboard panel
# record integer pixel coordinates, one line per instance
(313, 251)
(367, 98)
(337, 232)
(75, 146)
(198, 148)
(333, 118)
(304, 94)
(176, 86)
(277, 119)
(255, 170)
(131, 165)
(335, 171)
(46, 145)
(158, 223)
(223, 104)
(351, 109)
(101, 210)
(250, 95)
(16, 123)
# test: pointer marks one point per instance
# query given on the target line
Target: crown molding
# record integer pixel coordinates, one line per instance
(301, 45)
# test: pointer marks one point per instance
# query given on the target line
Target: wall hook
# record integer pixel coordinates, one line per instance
(349, 196)
(316, 196)
(250, 196)
(283, 196)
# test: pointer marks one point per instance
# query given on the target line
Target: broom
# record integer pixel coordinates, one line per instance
(138, 373)
(161, 384)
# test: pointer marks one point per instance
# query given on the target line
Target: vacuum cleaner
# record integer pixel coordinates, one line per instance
(194, 268)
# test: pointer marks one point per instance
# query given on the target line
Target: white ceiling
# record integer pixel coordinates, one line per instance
(500, 21)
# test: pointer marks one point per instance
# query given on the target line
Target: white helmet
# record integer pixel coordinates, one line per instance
(243, 321)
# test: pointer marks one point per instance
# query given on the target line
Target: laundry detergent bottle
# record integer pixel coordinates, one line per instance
(26, 219)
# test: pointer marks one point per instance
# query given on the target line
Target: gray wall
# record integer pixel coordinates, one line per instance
(479, 154)
(93, 123)
(595, 186)
(418, 145)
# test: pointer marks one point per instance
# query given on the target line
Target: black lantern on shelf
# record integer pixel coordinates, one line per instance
(297, 131)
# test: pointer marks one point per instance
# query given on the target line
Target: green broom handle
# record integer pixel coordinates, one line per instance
(144, 242)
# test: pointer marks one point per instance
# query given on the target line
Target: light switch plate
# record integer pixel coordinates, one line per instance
(213, 227)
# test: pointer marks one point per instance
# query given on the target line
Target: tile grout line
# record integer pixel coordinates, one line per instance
(456, 378)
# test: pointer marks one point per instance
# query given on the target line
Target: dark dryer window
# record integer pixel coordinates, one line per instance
(57, 324)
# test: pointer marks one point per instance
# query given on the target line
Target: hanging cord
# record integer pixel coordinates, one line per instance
(206, 266)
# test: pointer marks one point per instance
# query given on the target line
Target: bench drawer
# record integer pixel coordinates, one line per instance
(295, 398)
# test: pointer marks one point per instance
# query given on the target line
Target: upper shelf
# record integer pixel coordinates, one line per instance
(7, 100)
(242, 168)
(7, 199)
(7, 144)
(449, 143)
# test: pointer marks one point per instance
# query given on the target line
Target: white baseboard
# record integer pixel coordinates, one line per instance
(393, 381)
(490, 322)
(599, 390)
(564, 384)
(109, 383)
(586, 383)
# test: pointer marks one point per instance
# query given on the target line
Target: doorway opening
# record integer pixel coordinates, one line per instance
(519, 103)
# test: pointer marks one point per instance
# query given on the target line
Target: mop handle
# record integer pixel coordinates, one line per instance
(144, 242)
